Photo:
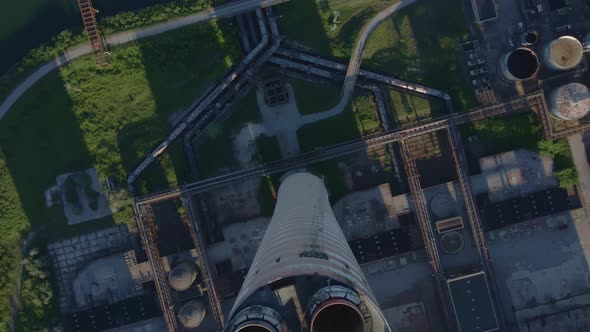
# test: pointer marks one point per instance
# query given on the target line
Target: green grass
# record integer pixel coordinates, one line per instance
(408, 108)
(418, 44)
(359, 118)
(109, 119)
(314, 97)
(318, 32)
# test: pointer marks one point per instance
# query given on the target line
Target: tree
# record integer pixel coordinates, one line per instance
(553, 148)
(567, 177)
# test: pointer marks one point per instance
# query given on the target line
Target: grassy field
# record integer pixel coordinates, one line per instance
(28, 23)
(408, 108)
(82, 117)
(418, 44)
(319, 31)
(314, 97)
(359, 118)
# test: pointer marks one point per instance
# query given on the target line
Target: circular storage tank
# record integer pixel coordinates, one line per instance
(570, 101)
(337, 315)
(520, 64)
(183, 276)
(529, 38)
(191, 314)
(563, 53)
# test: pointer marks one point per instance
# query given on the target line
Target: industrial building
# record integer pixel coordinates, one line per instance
(304, 274)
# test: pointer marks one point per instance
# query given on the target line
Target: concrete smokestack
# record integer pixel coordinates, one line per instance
(304, 276)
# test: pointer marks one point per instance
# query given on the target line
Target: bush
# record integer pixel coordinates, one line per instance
(564, 169)
(567, 177)
(36, 310)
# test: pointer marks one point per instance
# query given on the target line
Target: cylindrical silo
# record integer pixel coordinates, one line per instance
(570, 101)
(304, 261)
(563, 53)
(529, 38)
(520, 64)
(182, 276)
(192, 314)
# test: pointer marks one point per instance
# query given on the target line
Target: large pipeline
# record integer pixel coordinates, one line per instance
(186, 123)
(321, 154)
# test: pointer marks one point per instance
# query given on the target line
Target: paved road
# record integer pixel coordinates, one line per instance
(354, 65)
(223, 11)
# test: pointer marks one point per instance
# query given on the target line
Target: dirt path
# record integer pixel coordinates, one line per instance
(354, 65)
(72, 53)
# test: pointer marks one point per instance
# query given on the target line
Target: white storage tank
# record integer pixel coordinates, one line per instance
(570, 101)
(563, 53)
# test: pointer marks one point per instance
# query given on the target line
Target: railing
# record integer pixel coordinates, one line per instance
(427, 233)
(205, 269)
(146, 225)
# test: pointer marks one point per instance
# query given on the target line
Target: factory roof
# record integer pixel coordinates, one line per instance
(472, 303)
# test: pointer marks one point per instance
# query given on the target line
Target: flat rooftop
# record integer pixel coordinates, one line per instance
(472, 303)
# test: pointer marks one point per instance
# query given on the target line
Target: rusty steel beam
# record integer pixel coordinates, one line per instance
(427, 234)
(146, 226)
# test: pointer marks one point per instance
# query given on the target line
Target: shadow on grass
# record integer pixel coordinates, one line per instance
(300, 20)
(178, 69)
(425, 49)
(41, 139)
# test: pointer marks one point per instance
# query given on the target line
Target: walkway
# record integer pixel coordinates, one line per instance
(354, 65)
(580, 160)
(223, 11)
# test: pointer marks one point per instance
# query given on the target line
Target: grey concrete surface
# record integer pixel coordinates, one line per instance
(69, 255)
(84, 213)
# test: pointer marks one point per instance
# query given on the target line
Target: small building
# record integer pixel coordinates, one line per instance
(484, 10)
(472, 303)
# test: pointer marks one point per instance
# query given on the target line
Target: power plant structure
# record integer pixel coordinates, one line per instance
(570, 101)
(520, 64)
(563, 53)
(304, 276)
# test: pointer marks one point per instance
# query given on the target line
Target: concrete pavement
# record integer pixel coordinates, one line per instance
(223, 11)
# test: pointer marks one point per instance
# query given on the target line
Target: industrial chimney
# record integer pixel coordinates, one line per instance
(304, 276)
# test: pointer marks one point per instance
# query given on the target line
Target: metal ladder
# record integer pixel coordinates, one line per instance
(91, 26)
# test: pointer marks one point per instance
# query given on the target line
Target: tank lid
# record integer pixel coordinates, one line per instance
(572, 101)
(182, 276)
(192, 314)
(566, 52)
